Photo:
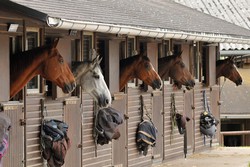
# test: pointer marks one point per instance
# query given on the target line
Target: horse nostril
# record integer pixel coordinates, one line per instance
(193, 83)
(107, 101)
(157, 84)
(73, 85)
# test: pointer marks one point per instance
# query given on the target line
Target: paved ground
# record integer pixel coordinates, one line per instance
(216, 157)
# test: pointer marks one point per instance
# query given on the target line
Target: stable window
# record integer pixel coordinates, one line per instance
(32, 41)
(131, 47)
(87, 46)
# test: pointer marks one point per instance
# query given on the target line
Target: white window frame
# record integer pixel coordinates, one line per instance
(92, 43)
(36, 30)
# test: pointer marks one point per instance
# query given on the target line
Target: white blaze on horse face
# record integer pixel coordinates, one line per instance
(236, 68)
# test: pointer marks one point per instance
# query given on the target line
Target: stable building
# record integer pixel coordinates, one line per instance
(234, 109)
(115, 30)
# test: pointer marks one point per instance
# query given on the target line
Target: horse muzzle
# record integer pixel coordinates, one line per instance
(104, 101)
(190, 84)
(68, 88)
(157, 84)
(238, 82)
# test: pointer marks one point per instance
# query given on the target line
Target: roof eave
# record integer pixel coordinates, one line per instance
(24, 10)
(140, 31)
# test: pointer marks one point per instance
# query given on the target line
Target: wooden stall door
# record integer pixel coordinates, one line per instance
(14, 156)
(214, 99)
(158, 117)
(72, 116)
(119, 147)
(92, 155)
(188, 107)
(199, 142)
(173, 140)
(135, 159)
(4, 68)
(53, 109)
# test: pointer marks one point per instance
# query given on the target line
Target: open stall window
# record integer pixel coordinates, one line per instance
(83, 53)
(32, 41)
(128, 49)
(205, 64)
(195, 63)
(15, 47)
(164, 49)
(87, 46)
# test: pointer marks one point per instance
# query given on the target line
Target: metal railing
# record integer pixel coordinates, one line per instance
(232, 133)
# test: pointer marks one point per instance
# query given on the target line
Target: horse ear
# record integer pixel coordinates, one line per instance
(232, 58)
(97, 60)
(179, 54)
(55, 43)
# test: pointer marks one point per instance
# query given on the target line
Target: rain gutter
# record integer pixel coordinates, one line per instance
(146, 32)
(235, 116)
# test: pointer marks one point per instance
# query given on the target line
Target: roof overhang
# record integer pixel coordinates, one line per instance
(140, 31)
(234, 116)
(9, 5)
(234, 52)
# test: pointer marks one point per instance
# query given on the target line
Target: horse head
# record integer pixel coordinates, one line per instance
(174, 67)
(144, 70)
(57, 70)
(228, 69)
(89, 75)
(140, 67)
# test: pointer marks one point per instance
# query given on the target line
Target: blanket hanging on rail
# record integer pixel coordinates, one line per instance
(208, 122)
(54, 141)
(146, 132)
(106, 125)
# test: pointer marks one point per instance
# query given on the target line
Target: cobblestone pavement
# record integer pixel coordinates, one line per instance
(215, 157)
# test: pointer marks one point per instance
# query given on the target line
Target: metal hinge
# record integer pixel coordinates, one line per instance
(22, 122)
(79, 146)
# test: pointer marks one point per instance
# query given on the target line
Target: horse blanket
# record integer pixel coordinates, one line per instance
(54, 142)
(106, 125)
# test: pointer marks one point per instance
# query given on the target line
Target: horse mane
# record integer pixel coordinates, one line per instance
(29, 56)
(131, 59)
(168, 58)
(219, 62)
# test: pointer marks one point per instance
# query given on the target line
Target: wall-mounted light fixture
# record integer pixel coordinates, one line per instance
(194, 43)
(13, 27)
(72, 32)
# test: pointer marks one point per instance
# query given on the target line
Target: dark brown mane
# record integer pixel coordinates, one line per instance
(219, 62)
(16, 60)
(132, 59)
(168, 58)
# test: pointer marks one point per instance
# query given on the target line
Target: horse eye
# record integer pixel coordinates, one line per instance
(182, 64)
(61, 61)
(147, 66)
(96, 76)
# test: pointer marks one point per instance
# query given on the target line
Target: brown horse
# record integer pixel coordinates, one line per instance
(173, 67)
(45, 61)
(140, 67)
(228, 69)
